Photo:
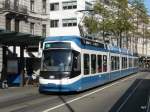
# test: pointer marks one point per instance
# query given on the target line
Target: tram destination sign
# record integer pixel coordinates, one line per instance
(57, 45)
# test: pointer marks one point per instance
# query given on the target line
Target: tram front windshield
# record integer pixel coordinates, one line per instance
(57, 60)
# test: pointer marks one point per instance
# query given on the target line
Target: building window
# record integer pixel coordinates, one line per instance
(88, 6)
(32, 28)
(32, 5)
(69, 5)
(54, 23)
(69, 22)
(16, 5)
(17, 25)
(8, 24)
(54, 6)
(44, 6)
(44, 30)
(86, 64)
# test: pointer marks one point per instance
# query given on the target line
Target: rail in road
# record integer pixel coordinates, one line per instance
(129, 94)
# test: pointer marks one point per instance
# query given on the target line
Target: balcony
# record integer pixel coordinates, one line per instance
(11, 6)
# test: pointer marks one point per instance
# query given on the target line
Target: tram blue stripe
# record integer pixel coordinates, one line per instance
(88, 82)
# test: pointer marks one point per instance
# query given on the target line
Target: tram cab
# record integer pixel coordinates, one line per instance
(61, 65)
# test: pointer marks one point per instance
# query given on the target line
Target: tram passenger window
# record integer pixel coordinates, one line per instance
(104, 63)
(126, 62)
(93, 63)
(76, 61)
(76, 66)
(134, 62)
(99, 63)
(115, 63)
(112, 63)
(123, 62)
(118, 63)
(86, 64)
(137, 62)
(130, 62)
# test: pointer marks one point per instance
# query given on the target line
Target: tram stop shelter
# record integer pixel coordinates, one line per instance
(11, 38)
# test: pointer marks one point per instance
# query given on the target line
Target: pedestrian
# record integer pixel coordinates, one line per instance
(4, 78)
(35, 76)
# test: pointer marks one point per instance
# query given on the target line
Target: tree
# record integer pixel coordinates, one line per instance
(120, 19)
(97, 23)
(113, 21)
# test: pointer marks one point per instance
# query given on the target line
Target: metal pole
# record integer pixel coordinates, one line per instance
(22, 66)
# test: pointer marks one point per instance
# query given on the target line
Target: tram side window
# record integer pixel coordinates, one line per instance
(130, 62)
(135, 62)
(126, 62)
(86, 64)
(76, 61)
(117, 63)
(123, 62)
(112, 63)
(93, 63)
(99, 63)
(76, 66)
(104, 63)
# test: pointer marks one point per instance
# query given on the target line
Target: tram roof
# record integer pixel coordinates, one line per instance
(61, 38)
(113, 49)
(124, 51)
(84, 43)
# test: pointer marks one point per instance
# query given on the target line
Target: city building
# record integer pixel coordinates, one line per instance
(23, 23)
(66, 15)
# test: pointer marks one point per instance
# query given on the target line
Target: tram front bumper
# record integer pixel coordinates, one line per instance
(57, 88)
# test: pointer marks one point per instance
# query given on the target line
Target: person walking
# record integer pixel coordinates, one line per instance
(4, 78)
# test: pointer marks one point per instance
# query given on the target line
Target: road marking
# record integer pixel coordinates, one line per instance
(129, 96)
(68, 102)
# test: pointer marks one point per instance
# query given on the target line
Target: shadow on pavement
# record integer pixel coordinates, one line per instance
(66, 104)
(61, 97)
(135, 99)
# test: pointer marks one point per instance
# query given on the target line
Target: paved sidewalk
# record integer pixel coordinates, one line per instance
(17, 92)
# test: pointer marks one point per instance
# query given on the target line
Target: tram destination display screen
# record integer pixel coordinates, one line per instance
(57, 45)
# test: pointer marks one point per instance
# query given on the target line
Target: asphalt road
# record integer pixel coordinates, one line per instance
(129, 94)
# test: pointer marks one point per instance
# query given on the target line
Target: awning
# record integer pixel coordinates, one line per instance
(12, 38)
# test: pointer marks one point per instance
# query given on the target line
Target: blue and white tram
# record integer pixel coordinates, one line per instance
(72, 63)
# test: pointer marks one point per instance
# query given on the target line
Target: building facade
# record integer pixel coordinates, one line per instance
(66, 15)
(27, 16)
(23, 17)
